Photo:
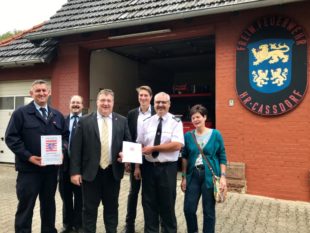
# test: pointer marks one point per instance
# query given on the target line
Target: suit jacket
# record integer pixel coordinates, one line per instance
(66, 161)
(133, 121)
(24, 131)
(86, 146)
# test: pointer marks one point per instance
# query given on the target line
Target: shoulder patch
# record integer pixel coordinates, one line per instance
(176, 118)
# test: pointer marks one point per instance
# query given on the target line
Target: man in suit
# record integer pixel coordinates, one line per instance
(162, 138)
(96, 146)
(23, 137)
(71, 194)
(135, 118)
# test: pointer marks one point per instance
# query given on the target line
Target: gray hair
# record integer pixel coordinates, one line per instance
(105, 92)
(163, 94)
(39, 81)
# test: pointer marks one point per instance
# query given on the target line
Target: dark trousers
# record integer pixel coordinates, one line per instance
(158, 196)
(71, 196)
(194, 190)
(28, 187)
(132, 199)
(106, 189)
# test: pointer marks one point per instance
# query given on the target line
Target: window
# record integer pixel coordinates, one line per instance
(6, 103)
(21, 101)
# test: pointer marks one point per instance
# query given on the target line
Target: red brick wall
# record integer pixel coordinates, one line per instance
(276, 150)
(39, 71)
(70, 76)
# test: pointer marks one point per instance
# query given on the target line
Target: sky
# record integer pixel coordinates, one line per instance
(24, 14)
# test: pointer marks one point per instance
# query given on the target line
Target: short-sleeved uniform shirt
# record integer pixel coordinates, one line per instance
(172, 131)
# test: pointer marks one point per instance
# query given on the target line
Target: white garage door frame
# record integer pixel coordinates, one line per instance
(12, 95)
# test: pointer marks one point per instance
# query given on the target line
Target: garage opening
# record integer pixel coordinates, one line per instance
(185, 69)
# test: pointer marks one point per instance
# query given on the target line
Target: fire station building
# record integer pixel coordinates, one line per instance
(245, 60)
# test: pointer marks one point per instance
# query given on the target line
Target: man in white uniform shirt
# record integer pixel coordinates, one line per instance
(162, 138)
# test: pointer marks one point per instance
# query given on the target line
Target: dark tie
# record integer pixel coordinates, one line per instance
(157, 137)
(44, 113)
(75, 117)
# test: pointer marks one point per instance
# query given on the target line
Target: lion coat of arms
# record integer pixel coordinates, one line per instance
(270, 65)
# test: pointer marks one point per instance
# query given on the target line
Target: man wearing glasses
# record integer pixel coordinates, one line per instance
(162, 138)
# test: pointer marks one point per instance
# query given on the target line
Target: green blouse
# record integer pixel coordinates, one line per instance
(214, 150)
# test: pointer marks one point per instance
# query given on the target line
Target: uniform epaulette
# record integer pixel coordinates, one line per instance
(147, 118)
(176, 118)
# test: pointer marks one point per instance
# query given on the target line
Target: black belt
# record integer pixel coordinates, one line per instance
(159, 164)
(200, 167)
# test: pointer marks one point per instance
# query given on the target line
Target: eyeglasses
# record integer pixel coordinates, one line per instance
(161, 102)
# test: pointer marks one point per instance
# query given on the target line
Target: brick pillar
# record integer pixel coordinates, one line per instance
(70, 76)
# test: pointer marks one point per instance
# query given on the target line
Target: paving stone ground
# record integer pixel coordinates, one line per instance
(241, 213)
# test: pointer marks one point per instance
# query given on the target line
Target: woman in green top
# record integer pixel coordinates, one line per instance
(196, 176)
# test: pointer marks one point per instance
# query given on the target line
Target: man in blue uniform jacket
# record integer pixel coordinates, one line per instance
(23, 137)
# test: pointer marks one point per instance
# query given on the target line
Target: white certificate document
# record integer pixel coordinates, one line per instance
(132, 152)
(51, 150)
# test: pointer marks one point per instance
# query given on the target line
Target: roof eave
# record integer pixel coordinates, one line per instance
(22, 63)
(216, 10)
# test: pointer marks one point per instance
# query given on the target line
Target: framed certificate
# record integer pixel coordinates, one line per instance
(51, 150)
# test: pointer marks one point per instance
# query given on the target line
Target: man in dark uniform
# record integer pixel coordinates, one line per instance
(97, 142)
(162, 138)
(23, 137)
(71, 194)
(135, 118)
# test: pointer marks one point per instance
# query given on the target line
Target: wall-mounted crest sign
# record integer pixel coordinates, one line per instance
(271, 69)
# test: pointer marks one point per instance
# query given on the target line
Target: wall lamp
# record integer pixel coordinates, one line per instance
(139, 34)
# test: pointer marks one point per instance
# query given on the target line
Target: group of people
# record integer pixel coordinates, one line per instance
(92, 166)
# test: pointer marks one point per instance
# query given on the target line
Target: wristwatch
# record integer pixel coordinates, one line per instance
(223, 174)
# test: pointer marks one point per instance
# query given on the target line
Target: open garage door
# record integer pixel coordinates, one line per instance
(184, 68)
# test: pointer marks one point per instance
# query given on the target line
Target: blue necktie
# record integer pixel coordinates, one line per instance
(44, 113)
(73, 129)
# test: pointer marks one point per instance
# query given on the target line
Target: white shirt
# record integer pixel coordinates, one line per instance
(172, 131)
(142, 116)
(109, 122)
(38, 108)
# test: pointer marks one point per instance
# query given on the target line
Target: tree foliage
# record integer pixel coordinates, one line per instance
(8, 34)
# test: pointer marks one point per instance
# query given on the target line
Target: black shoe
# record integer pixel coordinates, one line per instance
(66, 230)
(77, 230)
(129, 229)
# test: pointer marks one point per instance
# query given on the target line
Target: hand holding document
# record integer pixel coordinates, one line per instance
(51, 152)
(132, 152)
